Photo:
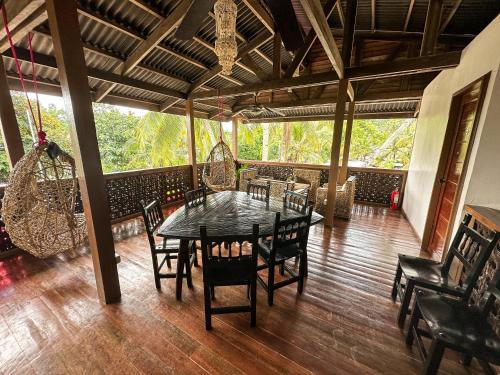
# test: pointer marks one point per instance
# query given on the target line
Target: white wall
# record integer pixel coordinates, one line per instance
(482, 178)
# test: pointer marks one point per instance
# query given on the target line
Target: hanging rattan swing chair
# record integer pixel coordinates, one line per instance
(40, 199)
(219, 172)
(40, 202)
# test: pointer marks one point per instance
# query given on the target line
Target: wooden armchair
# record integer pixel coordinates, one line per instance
(344, 200)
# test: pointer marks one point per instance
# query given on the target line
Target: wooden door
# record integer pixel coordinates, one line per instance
(451, 180)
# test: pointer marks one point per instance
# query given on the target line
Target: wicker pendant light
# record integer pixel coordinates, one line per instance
(226, 48)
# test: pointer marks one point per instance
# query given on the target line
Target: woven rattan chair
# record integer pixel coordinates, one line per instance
(229, 261)
(469, 248)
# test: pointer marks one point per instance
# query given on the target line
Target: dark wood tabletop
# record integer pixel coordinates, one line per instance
(227, 213)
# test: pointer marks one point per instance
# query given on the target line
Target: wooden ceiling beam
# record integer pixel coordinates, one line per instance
(415, 65)
(348, 39)
(113, 78)
(340, 12)
(318, 20)
(261, 14)
(398, 36)
(408, 15)
(311, 37)
(448, 19)
(165, 27)
(431, 29)
(23, 16)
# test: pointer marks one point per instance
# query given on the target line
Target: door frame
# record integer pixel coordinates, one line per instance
(445, 159)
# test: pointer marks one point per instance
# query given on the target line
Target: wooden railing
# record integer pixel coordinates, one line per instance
(373, 185)
(126, 189)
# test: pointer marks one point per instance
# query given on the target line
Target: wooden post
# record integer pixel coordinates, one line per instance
(63, 22)
(234, 137)
(8, 121)
(347, 41)
(431, 29)
(347, 143)
(333, 172)
(191, 142)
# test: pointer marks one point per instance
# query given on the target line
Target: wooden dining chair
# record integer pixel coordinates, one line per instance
(194, 198)
(296, 201)
(259, 191)
(229, 261)
(458, 325)
(169, 249)
(289, 241)
(468, 247)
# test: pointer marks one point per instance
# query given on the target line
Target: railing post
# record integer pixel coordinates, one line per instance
(191, 141)
(10, 129)
(66, 37)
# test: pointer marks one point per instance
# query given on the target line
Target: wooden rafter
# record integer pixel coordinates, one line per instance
(448, 19)
(164, 28)
(348, 39)
(373, 11)
(431, 29)
(408, 15)
(318, 20)
(385, 70)
(261, 14)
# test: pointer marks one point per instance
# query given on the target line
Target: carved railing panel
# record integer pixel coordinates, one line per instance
(5, 242)
(373, 185)
(125, 190)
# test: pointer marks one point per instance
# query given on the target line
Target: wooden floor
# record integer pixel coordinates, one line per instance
(344, 323)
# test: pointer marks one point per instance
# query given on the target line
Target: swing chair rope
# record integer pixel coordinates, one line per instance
(38, 124)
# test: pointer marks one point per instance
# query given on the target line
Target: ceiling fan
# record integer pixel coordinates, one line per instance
(281, 10)
(257, 109)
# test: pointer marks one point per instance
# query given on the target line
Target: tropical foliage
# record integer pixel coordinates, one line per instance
(128, 141)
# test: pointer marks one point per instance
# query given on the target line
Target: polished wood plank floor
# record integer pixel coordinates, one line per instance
(344, 323)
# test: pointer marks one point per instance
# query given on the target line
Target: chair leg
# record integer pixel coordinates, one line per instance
(208, 307)
(415, 318)
(282, 269)
(270, 284)
(302, 273)
(466, 359)
(434, 357)
(194, 250)
(253, 303)
(397, 281)
(405, 303)
(169, 263)
(188, 272)
(212, 292)
(156, 271)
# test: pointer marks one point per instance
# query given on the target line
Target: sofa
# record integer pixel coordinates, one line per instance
(344, 200)
(277, 186)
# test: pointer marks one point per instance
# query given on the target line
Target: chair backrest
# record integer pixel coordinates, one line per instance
(259, 191)
(290, 232)
(225, 253)
(195, 198)
(295, 201)
(153, 218)
(472, 250)
(490, 303)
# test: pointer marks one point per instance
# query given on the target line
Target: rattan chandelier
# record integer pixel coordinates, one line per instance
(226, 48)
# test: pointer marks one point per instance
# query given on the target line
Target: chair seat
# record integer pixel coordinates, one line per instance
(171, 246)
(235, 271)
(427, 273)
(283, 253)
(459, 325)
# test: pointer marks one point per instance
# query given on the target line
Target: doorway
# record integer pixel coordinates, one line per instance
(459, 137)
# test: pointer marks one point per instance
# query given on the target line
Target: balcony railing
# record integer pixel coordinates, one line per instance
(373, 185)
(127, 189)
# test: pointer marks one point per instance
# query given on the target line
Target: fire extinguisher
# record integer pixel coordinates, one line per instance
(395, 199)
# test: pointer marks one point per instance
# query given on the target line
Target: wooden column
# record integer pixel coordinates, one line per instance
(347, 142)
(431, 29)
(65, 30)
(234, 137)
(10, 129)
(333, 172)
(191, 141)
(350, 22)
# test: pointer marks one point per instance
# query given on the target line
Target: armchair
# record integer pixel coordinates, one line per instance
(344, 200)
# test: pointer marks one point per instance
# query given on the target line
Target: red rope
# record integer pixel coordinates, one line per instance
(221, 115)
(38, 126)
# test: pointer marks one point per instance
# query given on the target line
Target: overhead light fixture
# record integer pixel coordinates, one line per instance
(226, 48)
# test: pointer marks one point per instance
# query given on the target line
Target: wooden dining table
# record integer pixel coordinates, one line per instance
(225, 213)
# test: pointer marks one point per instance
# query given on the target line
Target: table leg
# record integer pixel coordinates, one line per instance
(182, 259)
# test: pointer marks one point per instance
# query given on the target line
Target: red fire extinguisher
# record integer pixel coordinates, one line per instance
(395, 199)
